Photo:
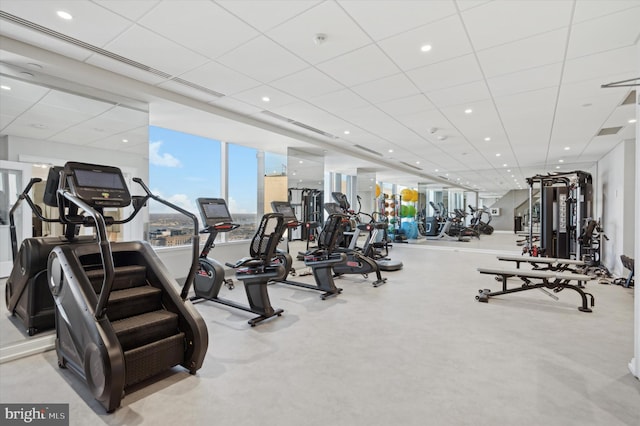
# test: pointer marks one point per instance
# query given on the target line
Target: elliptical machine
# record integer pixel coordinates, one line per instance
(357, 262)
(255, 271)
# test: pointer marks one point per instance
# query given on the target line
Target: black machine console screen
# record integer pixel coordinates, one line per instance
(100, 186)
(285, 209)
(214, 211)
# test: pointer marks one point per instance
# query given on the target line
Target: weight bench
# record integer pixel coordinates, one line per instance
(546, 263)
(553, 280)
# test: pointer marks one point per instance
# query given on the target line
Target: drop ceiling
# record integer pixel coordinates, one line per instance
(529, 72)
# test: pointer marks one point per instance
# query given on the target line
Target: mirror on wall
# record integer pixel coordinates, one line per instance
(305, 184)
(49, 121)
(366, 190)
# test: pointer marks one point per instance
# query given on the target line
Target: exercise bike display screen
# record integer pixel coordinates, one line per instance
(214, 211)
(98, 179)
(285, 209)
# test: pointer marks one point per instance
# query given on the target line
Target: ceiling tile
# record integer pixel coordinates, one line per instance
(386, 89)
(468, 4)
(602, 65)
(91, 23)
(501, 21)
(446, 37)
(276, 97)
(307, 84)
(265, 15)
(609, 32)
(146, 47)
(218, 31)
(446, 74)
(339, 101)
(263, 60)
(532, 52)
(218, 77)
(362, 65)
(397, 15)
(408, 105)
(298, 34)
(131, 9)
(589, 9)
(527, 80)
(458, 95)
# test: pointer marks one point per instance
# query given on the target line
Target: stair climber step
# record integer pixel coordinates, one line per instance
(151, 359)
(133, 301)
(125, 277)
(142, 329)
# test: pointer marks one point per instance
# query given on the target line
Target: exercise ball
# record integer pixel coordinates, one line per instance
(416, 195)
(377, 190)
(404, 211)
(411, 211)
(406, 194)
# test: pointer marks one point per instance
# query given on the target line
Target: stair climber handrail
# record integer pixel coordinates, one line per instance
(103, 242)
(195, 237)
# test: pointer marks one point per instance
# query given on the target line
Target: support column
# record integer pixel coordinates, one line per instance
(634, 365)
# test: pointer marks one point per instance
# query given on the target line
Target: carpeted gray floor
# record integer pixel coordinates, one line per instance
(417, 351)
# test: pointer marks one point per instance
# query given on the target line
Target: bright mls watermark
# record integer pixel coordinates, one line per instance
(35, 414)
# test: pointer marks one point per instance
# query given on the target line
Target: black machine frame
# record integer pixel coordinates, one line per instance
(566, 201)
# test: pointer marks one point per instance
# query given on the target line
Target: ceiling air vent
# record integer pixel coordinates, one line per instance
(312, 129)
(609, 131)
(630, 99)
(277, 116)
(197, 87)
(410, 165)
(370, 151)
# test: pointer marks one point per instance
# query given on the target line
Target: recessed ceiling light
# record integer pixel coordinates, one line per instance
(3, 87)
(346, 132)
(425, 48)
(557, 167)
(390, 150)
(509, 170)
(436, 170)
(504, 165)
(512, 176)
(567, 148)
(446, 174)
(560, 161)
(125, 140)
(468, 111)
(417, 162)
(300, 161)
(487, 139)
(265, 99)
(498, 155)
(64, 15)
(633, 120)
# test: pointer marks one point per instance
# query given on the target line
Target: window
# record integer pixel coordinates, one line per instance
(182, 168)
(243, 190)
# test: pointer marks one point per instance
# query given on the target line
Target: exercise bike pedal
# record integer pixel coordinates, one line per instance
(484, 298)
(229, 284)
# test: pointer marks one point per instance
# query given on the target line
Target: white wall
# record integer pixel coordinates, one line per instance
(614, 199)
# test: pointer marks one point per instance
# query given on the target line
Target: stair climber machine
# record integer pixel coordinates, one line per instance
(119, 317)
(255, 271)
(357, 261)
(27, 294)
(323, 284)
